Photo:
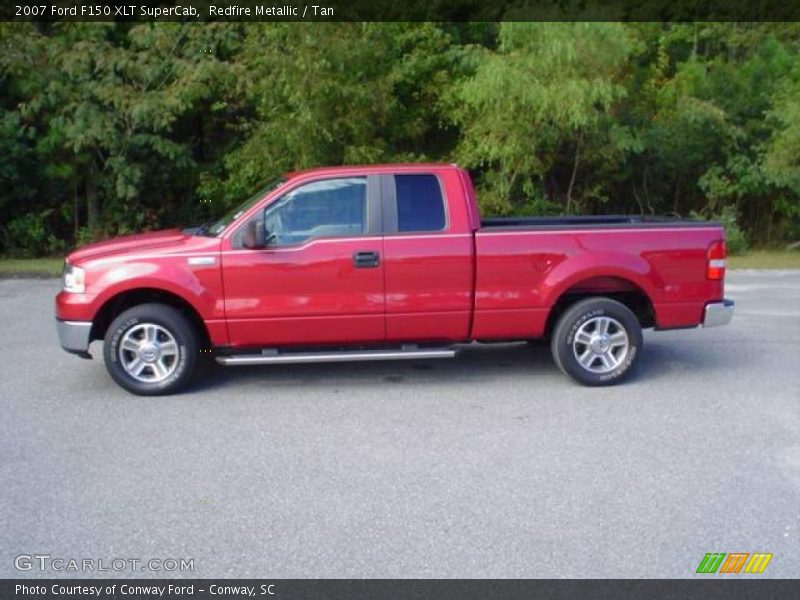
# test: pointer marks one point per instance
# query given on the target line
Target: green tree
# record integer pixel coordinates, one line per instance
(544, 94)
(328, 94)
(107, 99)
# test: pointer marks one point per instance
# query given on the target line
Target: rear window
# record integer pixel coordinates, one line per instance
(420, 206)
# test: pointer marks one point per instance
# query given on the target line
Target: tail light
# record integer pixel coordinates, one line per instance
(716, 260)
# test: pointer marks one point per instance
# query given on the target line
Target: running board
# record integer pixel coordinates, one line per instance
(340, 356)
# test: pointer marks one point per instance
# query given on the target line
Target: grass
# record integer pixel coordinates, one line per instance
(753, 259)
(766, 259)
(31, 267)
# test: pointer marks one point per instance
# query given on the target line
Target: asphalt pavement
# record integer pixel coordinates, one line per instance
(493, 465)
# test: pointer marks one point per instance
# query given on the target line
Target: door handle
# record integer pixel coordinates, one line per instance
(366, 260)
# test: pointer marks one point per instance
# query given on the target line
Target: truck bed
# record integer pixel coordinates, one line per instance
(586, 222)
(524, 265)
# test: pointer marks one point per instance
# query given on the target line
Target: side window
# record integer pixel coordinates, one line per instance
(420, 206)
(327, 208)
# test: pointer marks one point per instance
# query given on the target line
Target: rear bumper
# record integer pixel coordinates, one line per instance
(718, 313)
(74, 336)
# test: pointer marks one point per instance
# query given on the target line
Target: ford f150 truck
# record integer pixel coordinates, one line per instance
(380, 263)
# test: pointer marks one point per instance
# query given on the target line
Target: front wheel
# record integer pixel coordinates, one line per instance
(151, 349)
(597, 341)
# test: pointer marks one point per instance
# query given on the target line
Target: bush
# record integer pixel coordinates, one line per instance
(30, 235)
(735, 239)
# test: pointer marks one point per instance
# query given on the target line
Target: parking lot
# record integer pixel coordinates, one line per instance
(492, 465)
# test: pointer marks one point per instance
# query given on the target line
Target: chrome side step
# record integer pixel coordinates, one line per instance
(274, 358)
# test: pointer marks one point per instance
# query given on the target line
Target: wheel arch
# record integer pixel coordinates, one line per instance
(126, 299)
(616, 287)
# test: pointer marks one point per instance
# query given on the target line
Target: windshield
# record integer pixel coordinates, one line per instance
(214, 228)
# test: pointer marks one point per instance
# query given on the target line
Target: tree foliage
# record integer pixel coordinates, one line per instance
(107, 128)
(540, 98)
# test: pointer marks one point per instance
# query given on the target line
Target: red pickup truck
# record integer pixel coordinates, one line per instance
(380, 263)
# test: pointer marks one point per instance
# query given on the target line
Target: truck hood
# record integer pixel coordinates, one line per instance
(153, 240)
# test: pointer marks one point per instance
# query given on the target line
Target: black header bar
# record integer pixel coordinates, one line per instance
(712, 588)
(400, 10)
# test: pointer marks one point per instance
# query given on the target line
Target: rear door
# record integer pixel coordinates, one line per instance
(428, 259)
(320, 280)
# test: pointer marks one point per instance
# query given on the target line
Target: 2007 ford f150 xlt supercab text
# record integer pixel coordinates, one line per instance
(385, 262)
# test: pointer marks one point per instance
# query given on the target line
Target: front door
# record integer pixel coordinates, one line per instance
(320, 279)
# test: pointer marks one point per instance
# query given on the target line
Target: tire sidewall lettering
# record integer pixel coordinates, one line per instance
(118, 333)
(620, 370)
(580, 321)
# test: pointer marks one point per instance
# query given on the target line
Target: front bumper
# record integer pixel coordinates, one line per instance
(718, 313)
(74, 336)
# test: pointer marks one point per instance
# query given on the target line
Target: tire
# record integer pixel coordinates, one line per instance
(597, 342)
(157, 342)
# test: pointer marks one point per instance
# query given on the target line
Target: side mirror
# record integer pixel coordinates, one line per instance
(255, 236)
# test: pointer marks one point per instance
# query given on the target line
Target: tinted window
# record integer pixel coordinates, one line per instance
(328, 208)
(419, 203)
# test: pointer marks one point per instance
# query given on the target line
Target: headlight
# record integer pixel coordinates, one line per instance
(74, 279)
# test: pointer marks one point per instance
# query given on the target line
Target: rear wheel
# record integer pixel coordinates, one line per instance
(151, 349)
(597, 341)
